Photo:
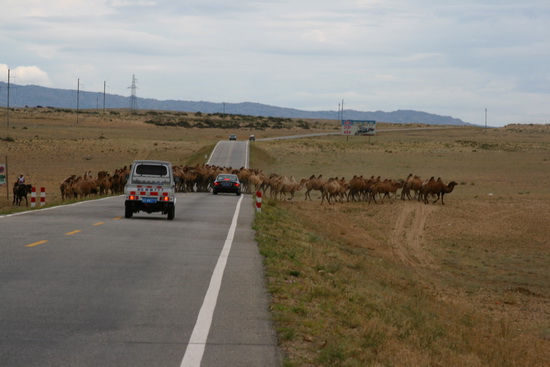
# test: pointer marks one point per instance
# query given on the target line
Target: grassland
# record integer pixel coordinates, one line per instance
(401, 284)
(353, 284)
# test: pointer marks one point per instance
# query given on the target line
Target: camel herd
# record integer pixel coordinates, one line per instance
(336, 189)
(86, 185)
(199, 178)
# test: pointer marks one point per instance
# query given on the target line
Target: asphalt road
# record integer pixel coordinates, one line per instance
(80, 285)
(230, 153)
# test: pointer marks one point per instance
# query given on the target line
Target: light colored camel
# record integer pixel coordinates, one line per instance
(330, 190)
(287, 185)
(313, 183)
(255, 180)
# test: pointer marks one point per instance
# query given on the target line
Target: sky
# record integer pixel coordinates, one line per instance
(482, 60)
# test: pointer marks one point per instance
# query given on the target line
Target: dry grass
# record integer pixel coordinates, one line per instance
(355, 284)
(426, 293)
(406, 283)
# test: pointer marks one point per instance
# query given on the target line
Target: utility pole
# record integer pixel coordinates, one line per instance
(7, 181)
(485, 119)
(77, 98)
(8, 109)
(104, 86)
(133, 98)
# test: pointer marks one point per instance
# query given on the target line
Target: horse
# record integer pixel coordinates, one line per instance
(20, 191)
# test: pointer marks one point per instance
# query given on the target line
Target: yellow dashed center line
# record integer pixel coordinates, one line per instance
(68, 233)
(35, 243)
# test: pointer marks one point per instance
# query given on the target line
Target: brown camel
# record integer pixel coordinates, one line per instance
(412, 183)
(314, 183)
(439, 189)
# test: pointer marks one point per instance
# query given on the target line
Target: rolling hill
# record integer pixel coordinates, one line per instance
(33, 95)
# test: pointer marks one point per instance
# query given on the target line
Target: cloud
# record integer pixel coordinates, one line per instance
(447, 58)
(25, 75)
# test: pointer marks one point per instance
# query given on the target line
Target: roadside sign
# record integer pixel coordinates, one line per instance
(358, 127)
(2, 174)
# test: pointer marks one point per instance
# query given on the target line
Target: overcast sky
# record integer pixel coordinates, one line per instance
(453, 58)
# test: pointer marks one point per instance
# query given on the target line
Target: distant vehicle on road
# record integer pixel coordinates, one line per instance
(252, 138)
(365, 131)
(228, 183)
(233, 137)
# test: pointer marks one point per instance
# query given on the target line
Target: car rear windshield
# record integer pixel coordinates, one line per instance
(151, 174)
(227, 177)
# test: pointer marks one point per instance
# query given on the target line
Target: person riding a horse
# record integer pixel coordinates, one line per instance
(20, 190)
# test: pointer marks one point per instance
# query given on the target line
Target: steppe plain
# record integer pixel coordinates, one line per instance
(356, 284)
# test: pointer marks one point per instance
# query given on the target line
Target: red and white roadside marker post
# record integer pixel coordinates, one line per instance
(258, 201)
(33, 197)
(42, 196)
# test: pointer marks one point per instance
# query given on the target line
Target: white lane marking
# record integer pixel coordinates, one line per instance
(197, 342)
(246, 157)
(60, 205)
(213, 151)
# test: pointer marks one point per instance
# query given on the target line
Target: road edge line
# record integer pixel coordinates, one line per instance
(197, 342)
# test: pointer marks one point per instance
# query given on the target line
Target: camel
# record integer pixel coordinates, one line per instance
(271, 184)
(255, 180)
(244, 176)
(413, 183)
(437, 188)
(187, 177)
(314, 183)
(330, 190)
(65, 185)
(386, 187)
(177, 171)
(94, 187)
(357, 186)
(103, 182)
(285, 185)
(423, 188)
(82, 187)
(344, 188)
(119, 178)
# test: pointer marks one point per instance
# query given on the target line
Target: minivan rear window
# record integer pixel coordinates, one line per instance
(151, 170)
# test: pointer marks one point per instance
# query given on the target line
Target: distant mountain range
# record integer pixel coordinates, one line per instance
(33, 95)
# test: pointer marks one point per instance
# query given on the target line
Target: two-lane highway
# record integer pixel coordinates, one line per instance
(230, 154)
(82, 286)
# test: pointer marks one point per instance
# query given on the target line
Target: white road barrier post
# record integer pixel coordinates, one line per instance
(33, 197)
(258, 201)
